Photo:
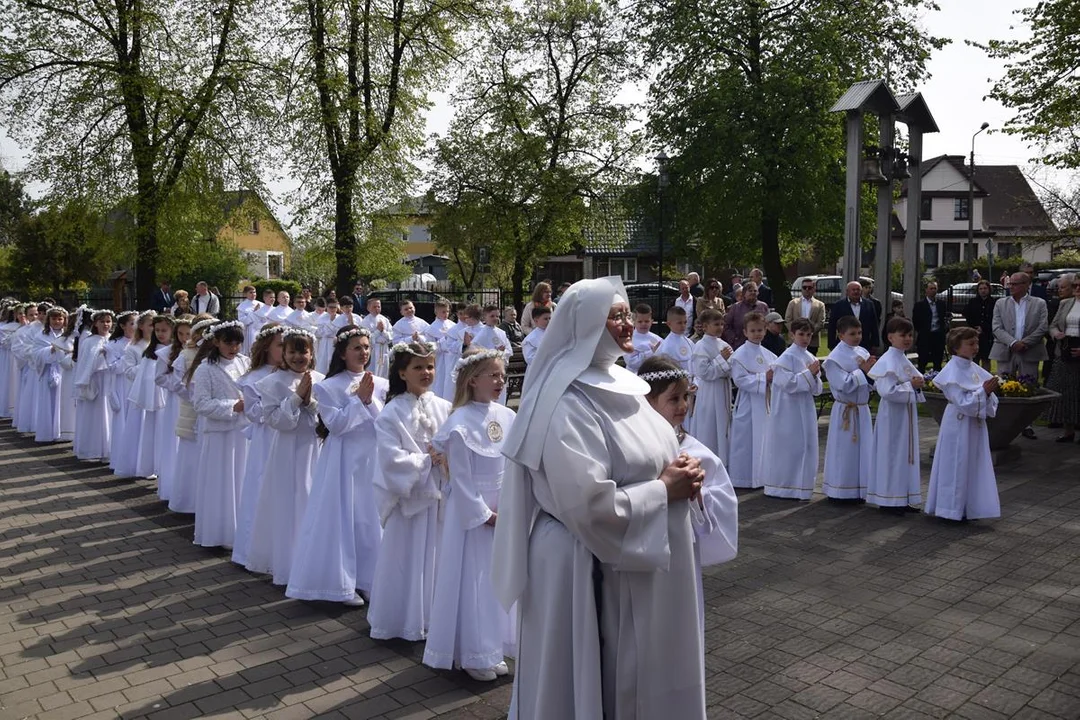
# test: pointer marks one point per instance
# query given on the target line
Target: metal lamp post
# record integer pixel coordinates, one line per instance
(972, 254)
(661, 185)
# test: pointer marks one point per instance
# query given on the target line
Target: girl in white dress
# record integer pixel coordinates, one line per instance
(92, 415)
(52, 351)
(185, 470)
(291, 408)
(13, 317)
(340, 535)
(715, 512)
(468, 628)
(408, 489)
(266, 356)
(148, 398)
(165, 438)
(962, 481)
(710, 366)
(122, 335)
(23, 348)
(222, 450)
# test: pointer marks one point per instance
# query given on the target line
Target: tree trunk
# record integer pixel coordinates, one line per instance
(344, 237)
(517, 278)
(147, 208)
(770, 257)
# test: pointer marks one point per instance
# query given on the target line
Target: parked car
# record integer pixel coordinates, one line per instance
(424, 300)
(637, 293)
(830, 288)
(959, 295)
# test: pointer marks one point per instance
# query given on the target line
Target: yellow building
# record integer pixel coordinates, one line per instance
(252, 227)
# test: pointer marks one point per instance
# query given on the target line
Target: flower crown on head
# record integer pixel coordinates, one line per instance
(202, 325)
(125, 315)
(268, 331)
(407, 348)
(215, 329)
(473, 359)
(290, 331)
(101, 313)
(145, 314)
(347, 335)
(665, 375)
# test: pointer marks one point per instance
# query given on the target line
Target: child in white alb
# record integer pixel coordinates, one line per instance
(676, 345)
(894, 483)
(91, 386)
(715, 512)
(711, 423)
(541, 316)
(849, 449)
(645, 340)
(166, 442)
(340, 534)
(381, 337)
(436, 333)
(752, 373)
(409, 328)
(962, 481)
(409, 485)
(790, 461)
(468, 627)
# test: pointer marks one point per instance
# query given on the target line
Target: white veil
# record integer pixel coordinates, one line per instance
(570, 343)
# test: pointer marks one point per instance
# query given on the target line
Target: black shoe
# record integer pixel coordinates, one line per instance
(1065, 438)
(1029, 433)
(912, 509)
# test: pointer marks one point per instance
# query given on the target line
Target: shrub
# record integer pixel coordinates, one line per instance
(290, 286)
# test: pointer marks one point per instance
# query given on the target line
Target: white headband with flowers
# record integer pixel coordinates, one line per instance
(271, 330)
(665, 375)
(473, 359)
(215, 329)
(291, 331)
(408, 348)
(347, 335)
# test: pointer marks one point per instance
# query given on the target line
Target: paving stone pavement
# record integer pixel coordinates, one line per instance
(830, 611)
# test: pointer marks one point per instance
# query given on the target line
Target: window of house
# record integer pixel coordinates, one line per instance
(626, 268)
(930, 254)
(274, 265)
(1008, 249)
(254, 226)
(960, 209)
(926, 208)
(950, 253)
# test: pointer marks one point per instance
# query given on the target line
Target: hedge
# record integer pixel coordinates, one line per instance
(947, 275)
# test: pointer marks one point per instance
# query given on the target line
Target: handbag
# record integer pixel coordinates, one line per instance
(1066, 346)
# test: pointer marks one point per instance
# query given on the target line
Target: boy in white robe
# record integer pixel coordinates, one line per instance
(248, 312)
(300, 317)
(281, 311)
(711, 423)
(326, 326)
(436, 332)
(646, 342)
(850, 445)
(676, 345)
(962, 481)
(894, 484)
(455, 341)
(492, 337)
(409, 328)
(790, 461)
(541, 316)
(752, 373)
(379, 326)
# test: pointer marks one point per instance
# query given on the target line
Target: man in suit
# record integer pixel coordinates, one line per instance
(931, 323)
(1020, 323)
(808, 307)
(764, 291)
(204, 301)
(854, 305)
(162, 300)
(359, 307)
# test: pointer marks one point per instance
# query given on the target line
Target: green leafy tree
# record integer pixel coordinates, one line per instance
(359, 83)
(742, 103)
(120, 99)
(1042, 80)
(59, 247)
(537, 130)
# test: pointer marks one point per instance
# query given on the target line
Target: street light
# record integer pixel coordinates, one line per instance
(971, 196)
(661, 185)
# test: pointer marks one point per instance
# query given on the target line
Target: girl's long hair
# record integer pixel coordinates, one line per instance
(118, 324)
(138, 322)
(462, 391)
(177, 346)
(341, 344)
(260, 349)
(400, 362)
(151, 350)
(51, 312)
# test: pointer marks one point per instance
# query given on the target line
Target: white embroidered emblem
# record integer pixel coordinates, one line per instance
(494, 431)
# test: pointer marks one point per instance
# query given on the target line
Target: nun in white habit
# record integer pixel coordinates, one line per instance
(594, 539)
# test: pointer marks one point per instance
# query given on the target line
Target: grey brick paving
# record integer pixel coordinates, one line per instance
(830, 611)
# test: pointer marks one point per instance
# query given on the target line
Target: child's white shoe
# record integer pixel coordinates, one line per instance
(486, 675)
(501, 669)
(356, 601)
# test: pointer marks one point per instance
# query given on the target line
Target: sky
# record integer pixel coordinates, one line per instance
(961, 77)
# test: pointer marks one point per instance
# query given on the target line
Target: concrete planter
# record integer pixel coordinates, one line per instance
(1013, 415)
